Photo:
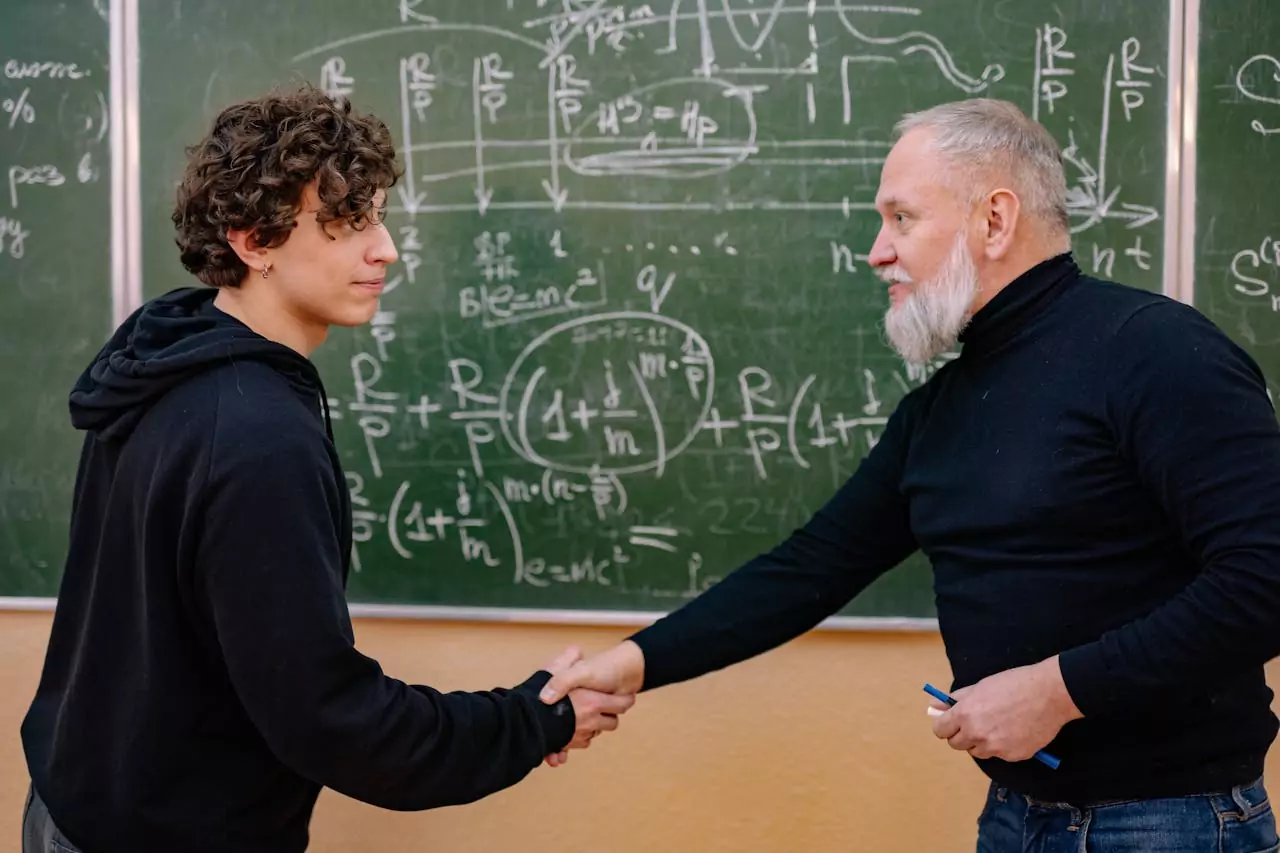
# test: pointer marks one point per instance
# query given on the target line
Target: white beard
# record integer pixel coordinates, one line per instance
(929, 321)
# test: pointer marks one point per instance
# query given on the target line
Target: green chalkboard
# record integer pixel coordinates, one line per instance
(1237, 204)
(55, 267)
(632, 339)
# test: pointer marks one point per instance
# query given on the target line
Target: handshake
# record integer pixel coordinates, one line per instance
(601, 689)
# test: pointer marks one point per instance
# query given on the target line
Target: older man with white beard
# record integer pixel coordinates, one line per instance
(923, 323)
(1096, 482)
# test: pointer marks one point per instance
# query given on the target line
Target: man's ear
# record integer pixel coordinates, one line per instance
(1001, 209)
(255, 257)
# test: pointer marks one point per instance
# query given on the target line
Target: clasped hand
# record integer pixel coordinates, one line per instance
(601, 688)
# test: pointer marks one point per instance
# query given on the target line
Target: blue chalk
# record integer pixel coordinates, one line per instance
(1041, 756)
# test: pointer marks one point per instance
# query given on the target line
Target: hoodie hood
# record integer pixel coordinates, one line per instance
(164, 342)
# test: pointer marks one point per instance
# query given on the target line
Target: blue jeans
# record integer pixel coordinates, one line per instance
(39, 835)
(1235, 821)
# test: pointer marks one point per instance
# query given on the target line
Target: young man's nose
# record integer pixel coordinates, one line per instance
(384, 249)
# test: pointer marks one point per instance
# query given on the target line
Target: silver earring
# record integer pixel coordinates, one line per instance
(266, 269)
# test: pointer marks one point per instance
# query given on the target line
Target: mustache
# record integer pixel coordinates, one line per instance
(893, 275)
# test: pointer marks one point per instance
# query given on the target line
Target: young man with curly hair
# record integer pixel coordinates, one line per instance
(201, 682)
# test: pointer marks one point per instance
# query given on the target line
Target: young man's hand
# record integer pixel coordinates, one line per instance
(595, 710)
(599, 685)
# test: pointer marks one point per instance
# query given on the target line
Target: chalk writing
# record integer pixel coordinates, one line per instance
(568, 411)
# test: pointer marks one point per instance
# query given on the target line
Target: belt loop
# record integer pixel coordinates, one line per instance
(1242, 802)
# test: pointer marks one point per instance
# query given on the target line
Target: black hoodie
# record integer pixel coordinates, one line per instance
(202, 683)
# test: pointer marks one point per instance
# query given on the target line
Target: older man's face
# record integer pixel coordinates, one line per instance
(922, 251)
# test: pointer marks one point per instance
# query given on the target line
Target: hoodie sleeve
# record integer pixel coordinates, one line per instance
(270, 566)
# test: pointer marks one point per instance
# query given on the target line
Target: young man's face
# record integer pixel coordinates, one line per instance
(331, 274)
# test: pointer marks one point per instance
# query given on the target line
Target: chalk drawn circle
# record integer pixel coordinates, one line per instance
(658, 158)
(1244, 78)
(528, 402)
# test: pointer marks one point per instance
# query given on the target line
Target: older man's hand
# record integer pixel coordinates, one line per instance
(1009, 715)
(618, 671)
(594, 711)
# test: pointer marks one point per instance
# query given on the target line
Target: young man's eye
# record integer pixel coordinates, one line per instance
(375, 217)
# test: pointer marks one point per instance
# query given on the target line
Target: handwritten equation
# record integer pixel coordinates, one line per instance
(666, 145)
(1259, 80)
(1254, 270)
(40, 97)
(626, 220)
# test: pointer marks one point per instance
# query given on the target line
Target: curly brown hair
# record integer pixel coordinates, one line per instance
(249, 173)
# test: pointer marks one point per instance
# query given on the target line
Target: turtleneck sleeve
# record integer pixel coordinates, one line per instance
(1190, 412)
(861, 532)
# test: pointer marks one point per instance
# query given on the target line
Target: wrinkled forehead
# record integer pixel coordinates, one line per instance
(915, 175)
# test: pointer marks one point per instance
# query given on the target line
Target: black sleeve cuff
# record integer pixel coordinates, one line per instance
(661, 650)
(1084, 672)
(558, 721)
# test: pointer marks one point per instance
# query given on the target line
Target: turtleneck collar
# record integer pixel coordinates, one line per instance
(1021, 300)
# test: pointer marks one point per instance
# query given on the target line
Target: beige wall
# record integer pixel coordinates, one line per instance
(822, 745)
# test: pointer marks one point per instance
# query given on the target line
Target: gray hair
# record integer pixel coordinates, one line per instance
(984, 137)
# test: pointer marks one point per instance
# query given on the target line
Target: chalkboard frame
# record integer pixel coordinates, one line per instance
(1177, 277)
(1180, 164)
(126, 204)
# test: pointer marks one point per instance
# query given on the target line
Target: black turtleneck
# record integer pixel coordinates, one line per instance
(1096, 476)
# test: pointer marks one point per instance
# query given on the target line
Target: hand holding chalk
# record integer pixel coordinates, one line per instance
(1041, 756)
